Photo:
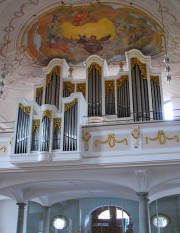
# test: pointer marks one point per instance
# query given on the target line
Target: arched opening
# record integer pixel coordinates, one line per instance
(110, 219)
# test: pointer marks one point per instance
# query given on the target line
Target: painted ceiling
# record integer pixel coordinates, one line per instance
(107, 29)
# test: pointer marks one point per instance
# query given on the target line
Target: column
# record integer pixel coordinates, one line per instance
(46, 219)
(143, 212)
(20, 220)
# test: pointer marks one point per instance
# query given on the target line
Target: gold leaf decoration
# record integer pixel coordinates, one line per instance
(81, 87)
(57, 123)
(111, 141)
(39, 90)
(36, 125)
(109, 87)
(142, 66)
(121, 80)
(55, 70)
(69, 86)
(162, 138)
(94, 65)
(68, 106)
(26, 109)
(48, 114)
(155, 79)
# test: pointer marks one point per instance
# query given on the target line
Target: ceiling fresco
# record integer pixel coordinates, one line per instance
(74, 33)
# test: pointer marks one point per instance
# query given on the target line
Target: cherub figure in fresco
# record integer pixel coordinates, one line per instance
(54, 29)
(79, 17)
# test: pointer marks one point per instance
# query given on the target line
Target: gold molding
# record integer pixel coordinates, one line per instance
(155, 79)
(86, 137)
(70, 86)
(3, 148)
(57, 123)
(36, 125)
(111, 141)
(68, 106)
(81, 87)
(97, 66)
(39, 90)
(121, 80)
(109, 86)
(162, 138)
(26, 109)
(142, 66)
(55, 70)
(48, 114)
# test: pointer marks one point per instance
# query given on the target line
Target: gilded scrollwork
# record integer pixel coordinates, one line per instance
(69, 86)
(3, 148)
(70, 105)
(48, 114)
(55, 70)
(57, 123)
(142, 66)
(81, 87)
(39, 90)
(86, 138)
(98, 67)
(162, 138)
(109, 86)
(36, 125)
(121, 80)
(111, 141)
(155, 79)
(26, 109)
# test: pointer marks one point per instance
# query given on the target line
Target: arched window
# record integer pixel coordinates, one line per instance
(110, 219)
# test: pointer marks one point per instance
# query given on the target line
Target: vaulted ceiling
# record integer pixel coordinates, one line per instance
(35, 31)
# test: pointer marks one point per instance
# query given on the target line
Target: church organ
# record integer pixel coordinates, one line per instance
(62, 105)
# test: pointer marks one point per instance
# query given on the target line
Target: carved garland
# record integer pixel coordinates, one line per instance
(111, 141)
(47, 113)
(68, 106)
(36, 125)
(162, 138)
(155, 79)
(55, 70)
(81, 87)
(121, 81)
(98, 67)
(109, 86)
(70, 86)
(142, 66)
(39, 90)
(26, 109)
(57, 123)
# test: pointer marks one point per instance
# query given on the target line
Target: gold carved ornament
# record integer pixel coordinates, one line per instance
(94, 65)
(70, 86)
(36, 125)
(81, 87)
(57, 123)
(55, 70)
(135, 133)
(142, 66)
(109, 87)
(68, 106)
(26, 109)
(47, 113)
(121, 80)
(3, 148)
(86, 137)
(39, 90)
(155, 79)
(111, 141)
(162, 138)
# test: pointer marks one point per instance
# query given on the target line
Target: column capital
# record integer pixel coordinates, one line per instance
(21, 204)
(142, 194)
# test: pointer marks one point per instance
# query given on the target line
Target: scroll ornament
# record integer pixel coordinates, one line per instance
(68, 106)
(86, 138)
(57, 123)
(3, 148)
(135, 134)
(26, 109)
(47, 113)
(36, 125)
(142, 66)
(162, 138)
(111, 141)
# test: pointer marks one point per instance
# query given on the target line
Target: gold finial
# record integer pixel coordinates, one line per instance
(121, 64)
(71, 69)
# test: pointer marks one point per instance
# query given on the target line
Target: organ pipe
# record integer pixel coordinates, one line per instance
(56, 133)
(109, 97)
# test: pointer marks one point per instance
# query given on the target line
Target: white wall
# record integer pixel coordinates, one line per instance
(8, 216)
